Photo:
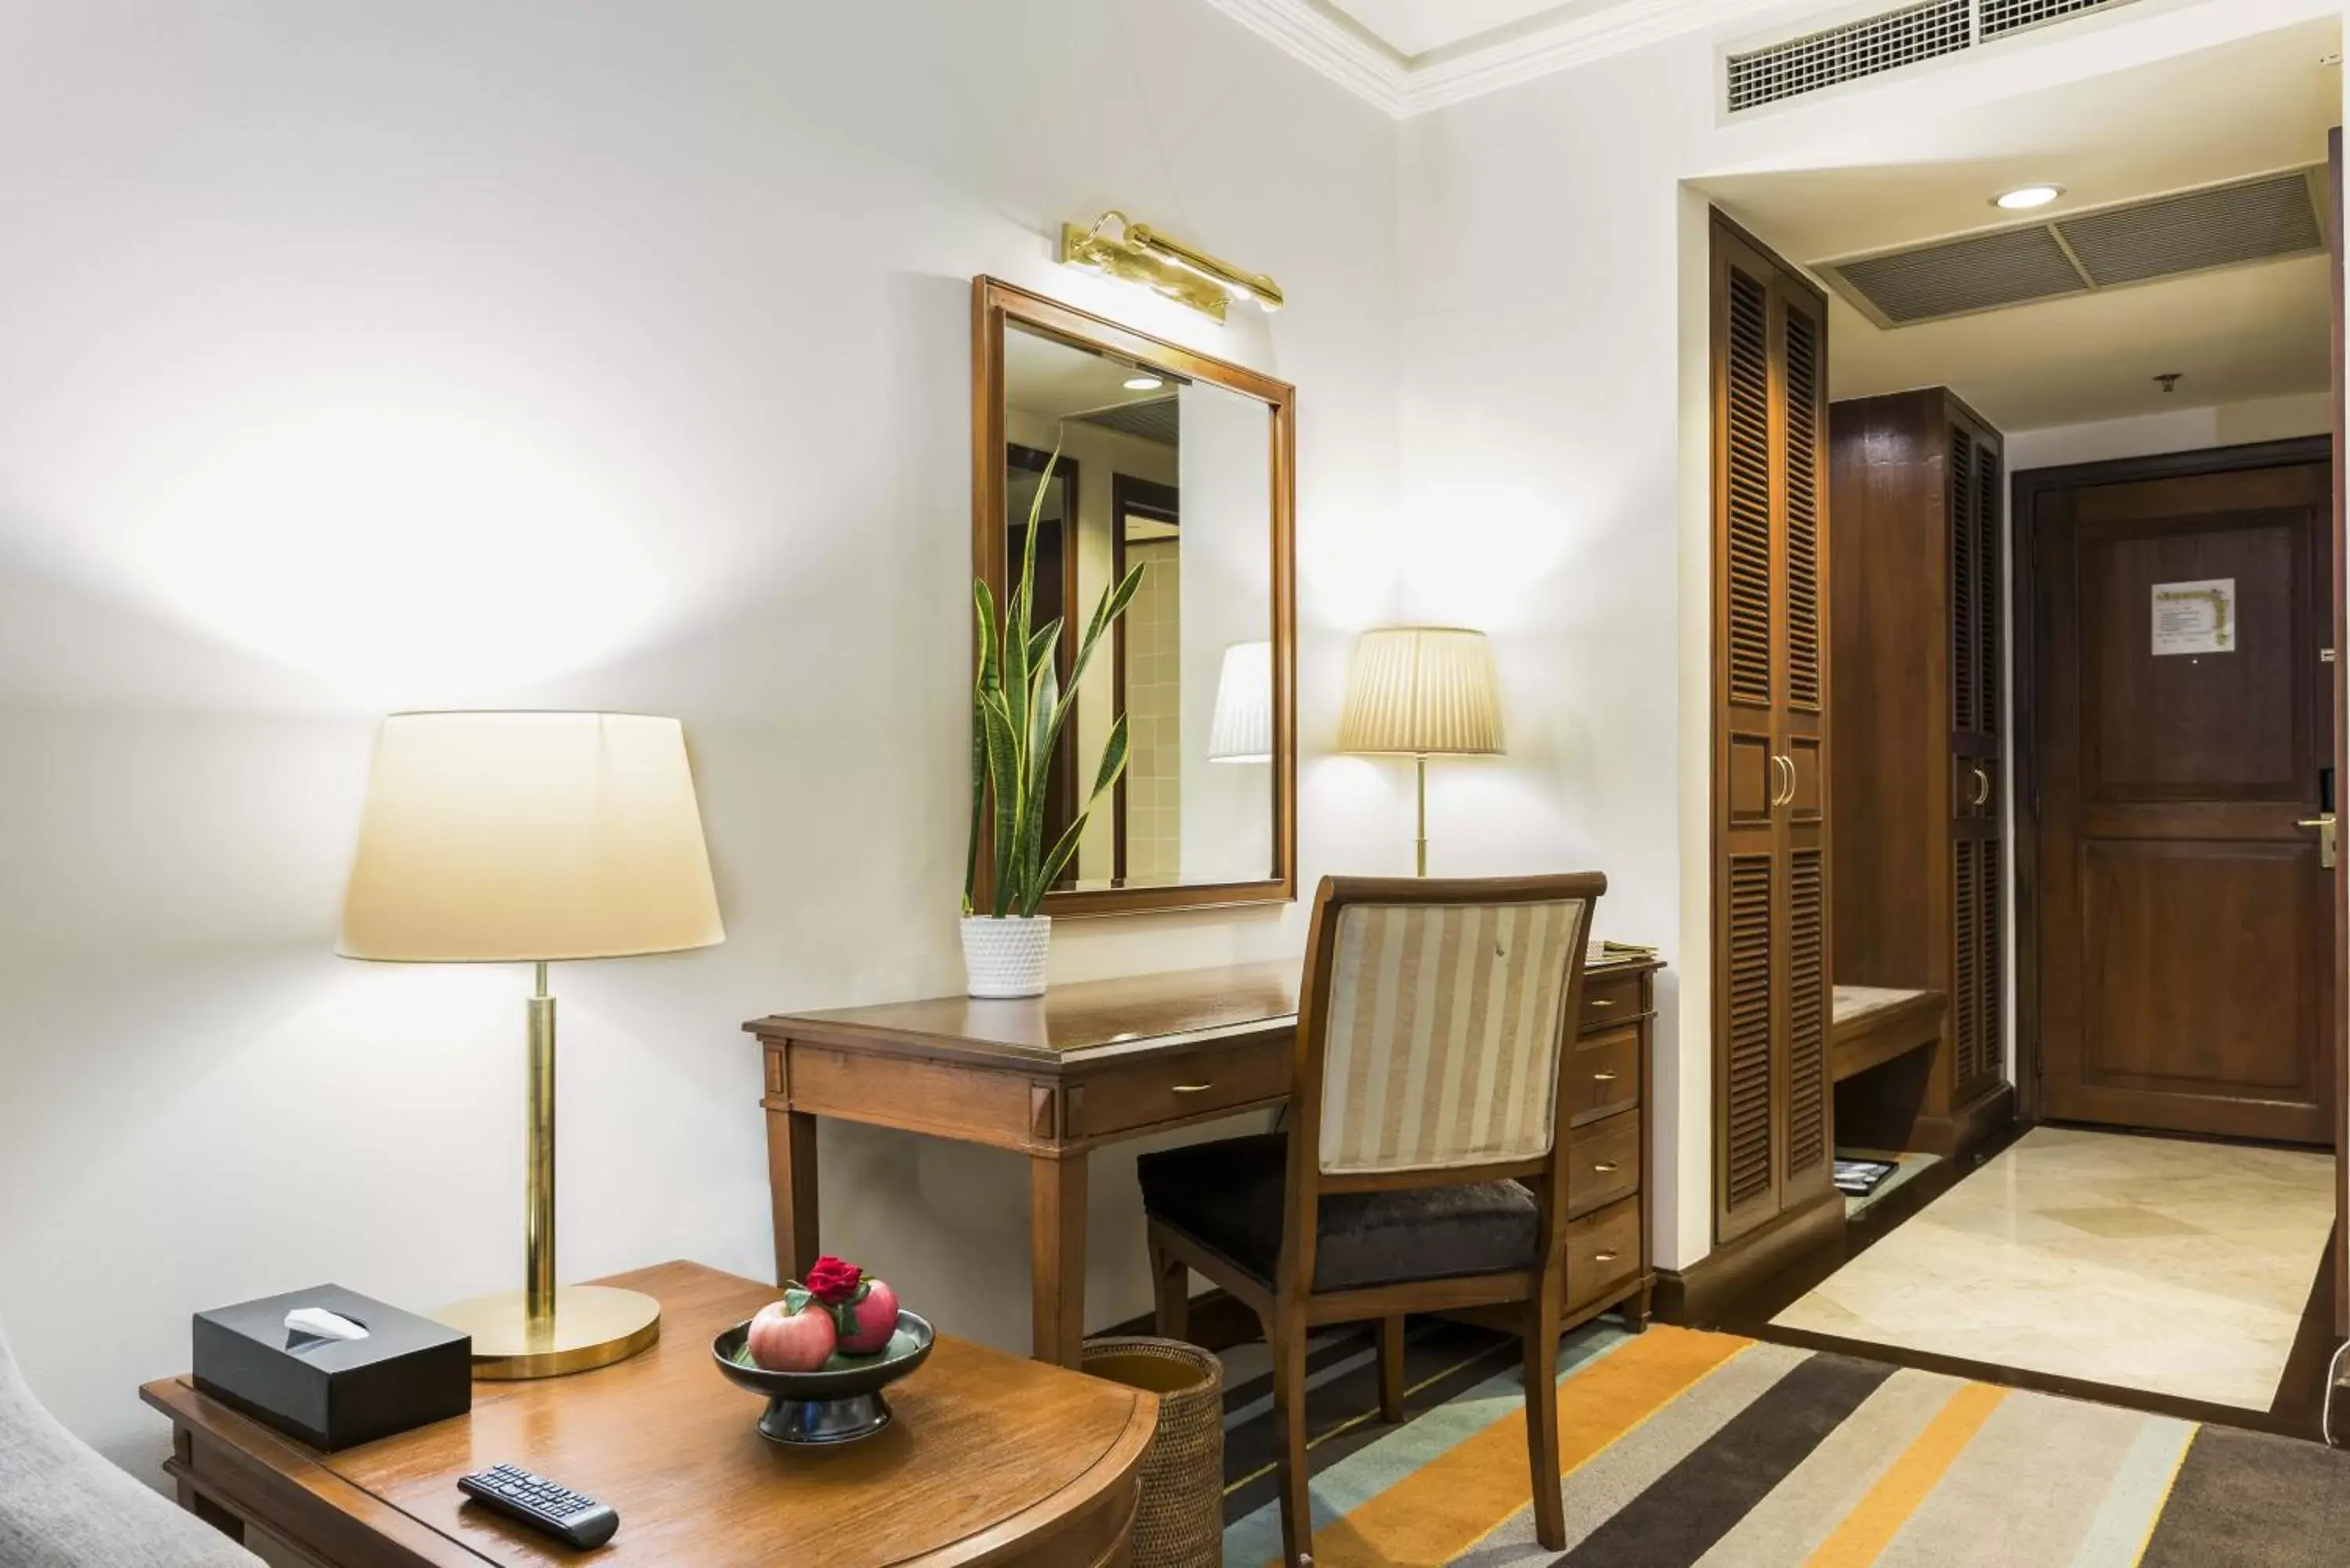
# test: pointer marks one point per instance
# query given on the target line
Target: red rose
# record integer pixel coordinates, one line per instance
(832, 1281)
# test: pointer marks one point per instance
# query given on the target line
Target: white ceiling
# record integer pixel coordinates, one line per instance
(1411, 56)
(2261, 104)
(1412, 27)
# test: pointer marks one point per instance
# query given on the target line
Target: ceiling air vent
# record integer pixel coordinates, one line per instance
(1886, 42)
(2001, 17)
(1978, 274)
(2262, 219)
(2271, 217)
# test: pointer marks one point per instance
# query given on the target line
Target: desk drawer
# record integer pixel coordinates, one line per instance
(1603, 1075)
(1603, 1162)
(1151, 1093)
(1609, 1000)
(1603, 1252)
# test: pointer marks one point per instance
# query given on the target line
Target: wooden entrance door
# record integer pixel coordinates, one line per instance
(2185, 926)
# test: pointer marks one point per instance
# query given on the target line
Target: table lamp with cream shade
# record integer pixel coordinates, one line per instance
(534, 838)
(1424, 692)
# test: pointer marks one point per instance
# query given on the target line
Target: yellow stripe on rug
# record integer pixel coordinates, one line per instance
(1457, 1499)
(1874, 1522)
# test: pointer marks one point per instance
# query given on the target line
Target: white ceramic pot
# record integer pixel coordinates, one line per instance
(1006, 957)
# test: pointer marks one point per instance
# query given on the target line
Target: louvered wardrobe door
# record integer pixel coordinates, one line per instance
(1772, 1133)
(1805, 1137)
(1749, 997)
(1966, 627)
(1990, 641)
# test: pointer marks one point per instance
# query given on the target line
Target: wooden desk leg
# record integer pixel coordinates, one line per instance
(791, 1182)
(1056, 1256)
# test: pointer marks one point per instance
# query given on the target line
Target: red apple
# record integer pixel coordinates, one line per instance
(868, 1321)
(795, 1335)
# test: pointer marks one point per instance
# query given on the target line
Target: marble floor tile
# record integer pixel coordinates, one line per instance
(2172, 1266)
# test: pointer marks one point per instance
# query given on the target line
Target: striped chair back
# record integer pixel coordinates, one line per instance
(1446, 1020)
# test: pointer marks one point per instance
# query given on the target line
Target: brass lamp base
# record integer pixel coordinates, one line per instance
(592, 1326)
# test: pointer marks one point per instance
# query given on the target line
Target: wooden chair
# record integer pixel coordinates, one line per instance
(1422, 1169)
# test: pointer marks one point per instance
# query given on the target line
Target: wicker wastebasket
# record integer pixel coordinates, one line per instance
(1181, 1522)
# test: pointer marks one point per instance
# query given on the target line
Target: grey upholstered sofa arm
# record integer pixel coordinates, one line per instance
(62, 1505)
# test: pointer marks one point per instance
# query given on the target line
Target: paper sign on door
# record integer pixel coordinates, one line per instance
(2195, 618)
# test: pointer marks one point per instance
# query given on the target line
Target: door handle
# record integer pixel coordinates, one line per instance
(2329, 838)
(1784, 768)
(1982, 787)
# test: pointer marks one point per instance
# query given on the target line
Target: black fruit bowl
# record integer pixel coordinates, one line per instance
(840, 1401)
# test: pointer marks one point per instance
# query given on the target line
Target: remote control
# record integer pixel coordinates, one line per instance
(574, 1518)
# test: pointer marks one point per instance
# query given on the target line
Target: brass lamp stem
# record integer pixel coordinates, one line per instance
(1420, 843)
(538, 1163)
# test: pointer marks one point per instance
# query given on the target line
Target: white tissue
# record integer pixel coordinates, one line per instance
(320, 1323)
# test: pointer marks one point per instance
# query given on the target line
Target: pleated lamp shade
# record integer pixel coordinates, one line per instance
(1423, 689)
(1242, 729)
(493, 837)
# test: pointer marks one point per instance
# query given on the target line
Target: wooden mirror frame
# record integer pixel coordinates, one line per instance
(995, 304)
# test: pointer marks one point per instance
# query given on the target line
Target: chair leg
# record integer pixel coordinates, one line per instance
(1285, 1335)
(1392, 1369)
(1542, 1314)
(1170, 1281)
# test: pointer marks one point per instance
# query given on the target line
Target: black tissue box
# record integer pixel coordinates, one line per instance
(334, 1392)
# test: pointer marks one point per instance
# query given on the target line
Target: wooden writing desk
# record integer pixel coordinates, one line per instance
(1049, 1077)
(989, 1460)
(1052, 1076)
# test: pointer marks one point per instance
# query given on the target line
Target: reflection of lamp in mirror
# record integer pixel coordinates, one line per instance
(528, 837)
(1422, 690)
(1242, 730)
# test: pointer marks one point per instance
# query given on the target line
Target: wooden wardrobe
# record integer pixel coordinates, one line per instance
(1918, 655)
(1772, 880)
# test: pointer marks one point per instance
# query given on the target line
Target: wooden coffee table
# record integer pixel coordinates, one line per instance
(991, 1460)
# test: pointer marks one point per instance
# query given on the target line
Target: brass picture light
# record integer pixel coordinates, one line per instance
(1140, 253)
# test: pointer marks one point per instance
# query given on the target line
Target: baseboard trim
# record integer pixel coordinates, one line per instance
(1958, 1135)
(1695, 1296)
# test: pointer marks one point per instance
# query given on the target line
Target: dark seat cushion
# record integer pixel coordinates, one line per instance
(1227, 1196)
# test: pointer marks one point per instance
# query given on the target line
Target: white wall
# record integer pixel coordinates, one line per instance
(2173, 430)
(580, 353)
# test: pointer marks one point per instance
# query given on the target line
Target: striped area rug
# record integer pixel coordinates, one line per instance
(1682, 1448)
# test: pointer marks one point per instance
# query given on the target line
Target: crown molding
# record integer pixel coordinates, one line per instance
(1369, 70)
(1403, 87)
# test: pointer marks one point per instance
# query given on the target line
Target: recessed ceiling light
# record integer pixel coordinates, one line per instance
(2024, 196)
(1144, 384)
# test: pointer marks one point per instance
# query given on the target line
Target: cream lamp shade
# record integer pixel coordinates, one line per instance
(501, 837)
(1242, 729)
(1428, 691)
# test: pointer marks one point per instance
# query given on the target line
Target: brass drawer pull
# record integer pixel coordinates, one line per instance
(1603, 1257)
(1606, 1168)
(1193, 1088)
(1599, 1002)
(1603, 1077)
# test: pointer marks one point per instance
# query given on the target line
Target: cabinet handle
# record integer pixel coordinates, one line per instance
(1982, 787)
(1605, 1168)
(1596, 1004)
(1193, 1088)
(1603, 1257)
(1603, 1077)
(1785, 767)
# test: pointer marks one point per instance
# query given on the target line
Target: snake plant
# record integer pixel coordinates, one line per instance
(1018, 707)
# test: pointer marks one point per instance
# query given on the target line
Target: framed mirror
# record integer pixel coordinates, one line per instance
(1183, 466)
